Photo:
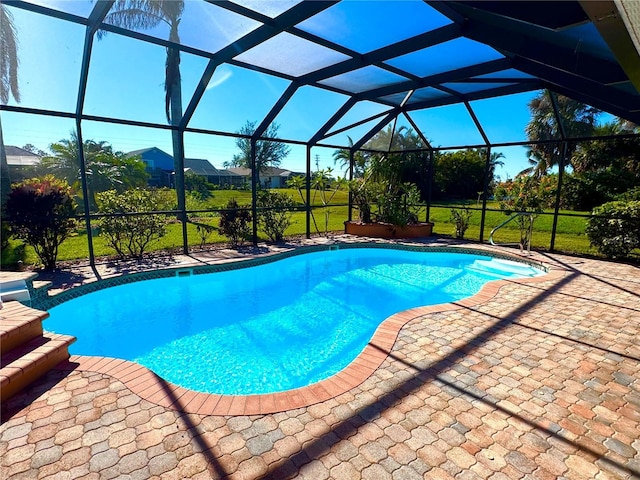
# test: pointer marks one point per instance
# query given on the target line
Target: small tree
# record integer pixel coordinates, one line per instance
(269, 153)
(461, 218)
(364, 193)
(126, 232)
(526, 195)
(235, 222)
(614, 228)
(326, 188)
(299, 183)
(204, 231)
(275, 213)
(40, 212)
(197, 183)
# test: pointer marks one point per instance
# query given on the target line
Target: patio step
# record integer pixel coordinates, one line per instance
(27, 352)
(18, 325)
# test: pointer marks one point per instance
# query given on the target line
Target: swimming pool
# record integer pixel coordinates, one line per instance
(272, 327)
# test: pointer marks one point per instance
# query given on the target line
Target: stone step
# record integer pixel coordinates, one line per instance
(41, 284)
(19, 324)
(26, 363)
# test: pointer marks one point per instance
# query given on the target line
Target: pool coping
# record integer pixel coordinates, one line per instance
(153, 388)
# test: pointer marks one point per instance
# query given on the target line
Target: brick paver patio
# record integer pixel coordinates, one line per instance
(540, 380)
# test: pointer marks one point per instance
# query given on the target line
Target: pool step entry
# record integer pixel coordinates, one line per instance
(499, 268)
(15, 290)
(28, 353)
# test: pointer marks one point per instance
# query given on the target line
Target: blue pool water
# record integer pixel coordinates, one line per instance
(272, 327)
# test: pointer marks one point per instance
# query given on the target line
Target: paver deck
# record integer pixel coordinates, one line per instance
(536, 380)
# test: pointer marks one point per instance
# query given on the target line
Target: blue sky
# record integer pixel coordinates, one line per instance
(126, 81)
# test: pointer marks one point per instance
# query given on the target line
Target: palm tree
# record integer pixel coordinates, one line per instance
(8, 57)
(343, 156)
(8, 86)
(148, 14)
(105, 169)
(578, 119)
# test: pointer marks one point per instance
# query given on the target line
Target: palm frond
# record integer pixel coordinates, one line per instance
(8, 57)
(142, 14)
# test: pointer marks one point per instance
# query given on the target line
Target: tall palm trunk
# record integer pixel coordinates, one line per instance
(178, 148)
(5, 178)
(173, 88)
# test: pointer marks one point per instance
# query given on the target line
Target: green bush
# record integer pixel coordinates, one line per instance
(40, 211)
(587, 190)
(126, 233)
(529, 195)
(461, 218)
(196, 183)
(5, 234)
(630, 195)
(204, 231)
(614, 228)
(235, 222)
(275, 214)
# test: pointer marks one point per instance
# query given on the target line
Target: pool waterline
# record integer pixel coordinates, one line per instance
(312, 319)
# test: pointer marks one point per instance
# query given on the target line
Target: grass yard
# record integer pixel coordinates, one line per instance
(76, 247)
(570, 230)
(570, 233)
(243, 197)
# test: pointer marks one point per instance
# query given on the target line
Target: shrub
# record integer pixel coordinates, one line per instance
(275, 216)
(398, 204)
(235, 222)
(526, 195)
(130, 234)
(5, 234)
(630, 195)
(614, 228)
(460, 217)
(364, 193)
(40, 211)
(587, 190)
(196, 183)
(204, 232)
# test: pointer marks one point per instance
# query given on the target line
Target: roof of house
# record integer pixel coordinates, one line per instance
(142, 151)
(200, 166)
(17, 156)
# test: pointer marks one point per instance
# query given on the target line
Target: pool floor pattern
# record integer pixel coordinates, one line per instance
(153, 388)
(536, 379)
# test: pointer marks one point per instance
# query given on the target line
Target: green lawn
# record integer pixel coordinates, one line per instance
(220, 198)
(76, 247)
(570, 230)
(570, 234)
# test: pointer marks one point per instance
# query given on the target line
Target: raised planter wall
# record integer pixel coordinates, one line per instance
(387, 230)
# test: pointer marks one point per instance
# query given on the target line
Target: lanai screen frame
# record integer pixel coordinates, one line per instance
(270, 28)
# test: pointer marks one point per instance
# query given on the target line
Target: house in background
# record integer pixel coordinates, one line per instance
(21, 163)
(202, 168)
(213, 175)
(270, 177)
(159, 166)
